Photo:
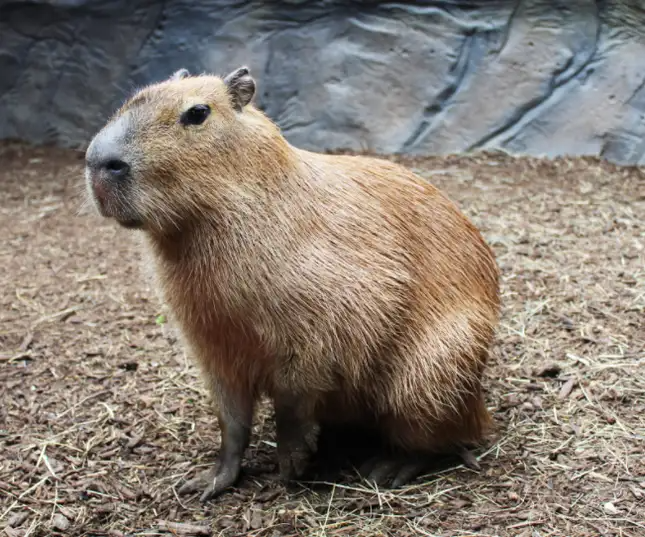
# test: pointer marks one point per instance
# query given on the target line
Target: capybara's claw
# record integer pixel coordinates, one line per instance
(197, 483)
(211, 482)
(393, 473)
(469, 459)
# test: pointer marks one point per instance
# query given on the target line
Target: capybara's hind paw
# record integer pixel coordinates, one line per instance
(468, 458)
(393, 473)
(211, 483)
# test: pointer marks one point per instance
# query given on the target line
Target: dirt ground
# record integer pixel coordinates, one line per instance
(102, 415)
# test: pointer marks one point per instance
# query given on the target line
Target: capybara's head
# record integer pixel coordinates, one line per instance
(176, 149)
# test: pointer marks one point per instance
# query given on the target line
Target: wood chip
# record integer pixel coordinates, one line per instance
(134, 441)
(125, 491)
(17, 519)
(26, 342)
(181, 528)
(610, 508)
(268, 496)
(13, 532)
(256, 519)
(566, 389)
(460, 503)
(67, 512)
(527, 523)
(60, 523)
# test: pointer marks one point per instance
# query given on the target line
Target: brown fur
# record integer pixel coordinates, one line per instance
(348, 282)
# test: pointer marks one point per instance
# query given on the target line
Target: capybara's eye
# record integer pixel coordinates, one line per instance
(195, 115)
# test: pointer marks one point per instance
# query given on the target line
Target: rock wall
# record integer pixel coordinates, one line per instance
(544, 77)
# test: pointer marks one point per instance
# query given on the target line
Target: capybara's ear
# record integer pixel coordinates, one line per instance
(178, 75)
(241, 87)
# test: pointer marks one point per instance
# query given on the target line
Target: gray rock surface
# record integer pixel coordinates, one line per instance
(544, 77)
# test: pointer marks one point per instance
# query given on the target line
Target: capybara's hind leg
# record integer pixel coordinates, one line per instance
(415, 447)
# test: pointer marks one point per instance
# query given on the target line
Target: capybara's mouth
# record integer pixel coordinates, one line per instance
(103, 201)
(130, 223)
(111, 202)
(100, 196)
(110, 205)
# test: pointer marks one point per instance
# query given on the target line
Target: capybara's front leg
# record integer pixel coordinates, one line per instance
(235, 418)
(296, 435)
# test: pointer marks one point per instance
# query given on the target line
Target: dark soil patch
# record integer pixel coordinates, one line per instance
(102, 414)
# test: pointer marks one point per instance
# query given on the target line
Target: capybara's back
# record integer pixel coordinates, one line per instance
(346, 288)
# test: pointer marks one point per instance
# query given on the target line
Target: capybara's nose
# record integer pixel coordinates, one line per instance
(116, 167)
(107, 156)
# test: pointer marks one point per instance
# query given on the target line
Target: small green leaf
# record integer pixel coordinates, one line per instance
(161, 319)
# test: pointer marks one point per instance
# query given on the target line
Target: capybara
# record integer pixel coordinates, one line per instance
(346, 289)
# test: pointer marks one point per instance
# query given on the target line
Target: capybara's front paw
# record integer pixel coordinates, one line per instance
(293, 462)
(211, 482)
(296, 450)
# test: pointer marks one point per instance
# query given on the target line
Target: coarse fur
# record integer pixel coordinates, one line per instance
(346, 285)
